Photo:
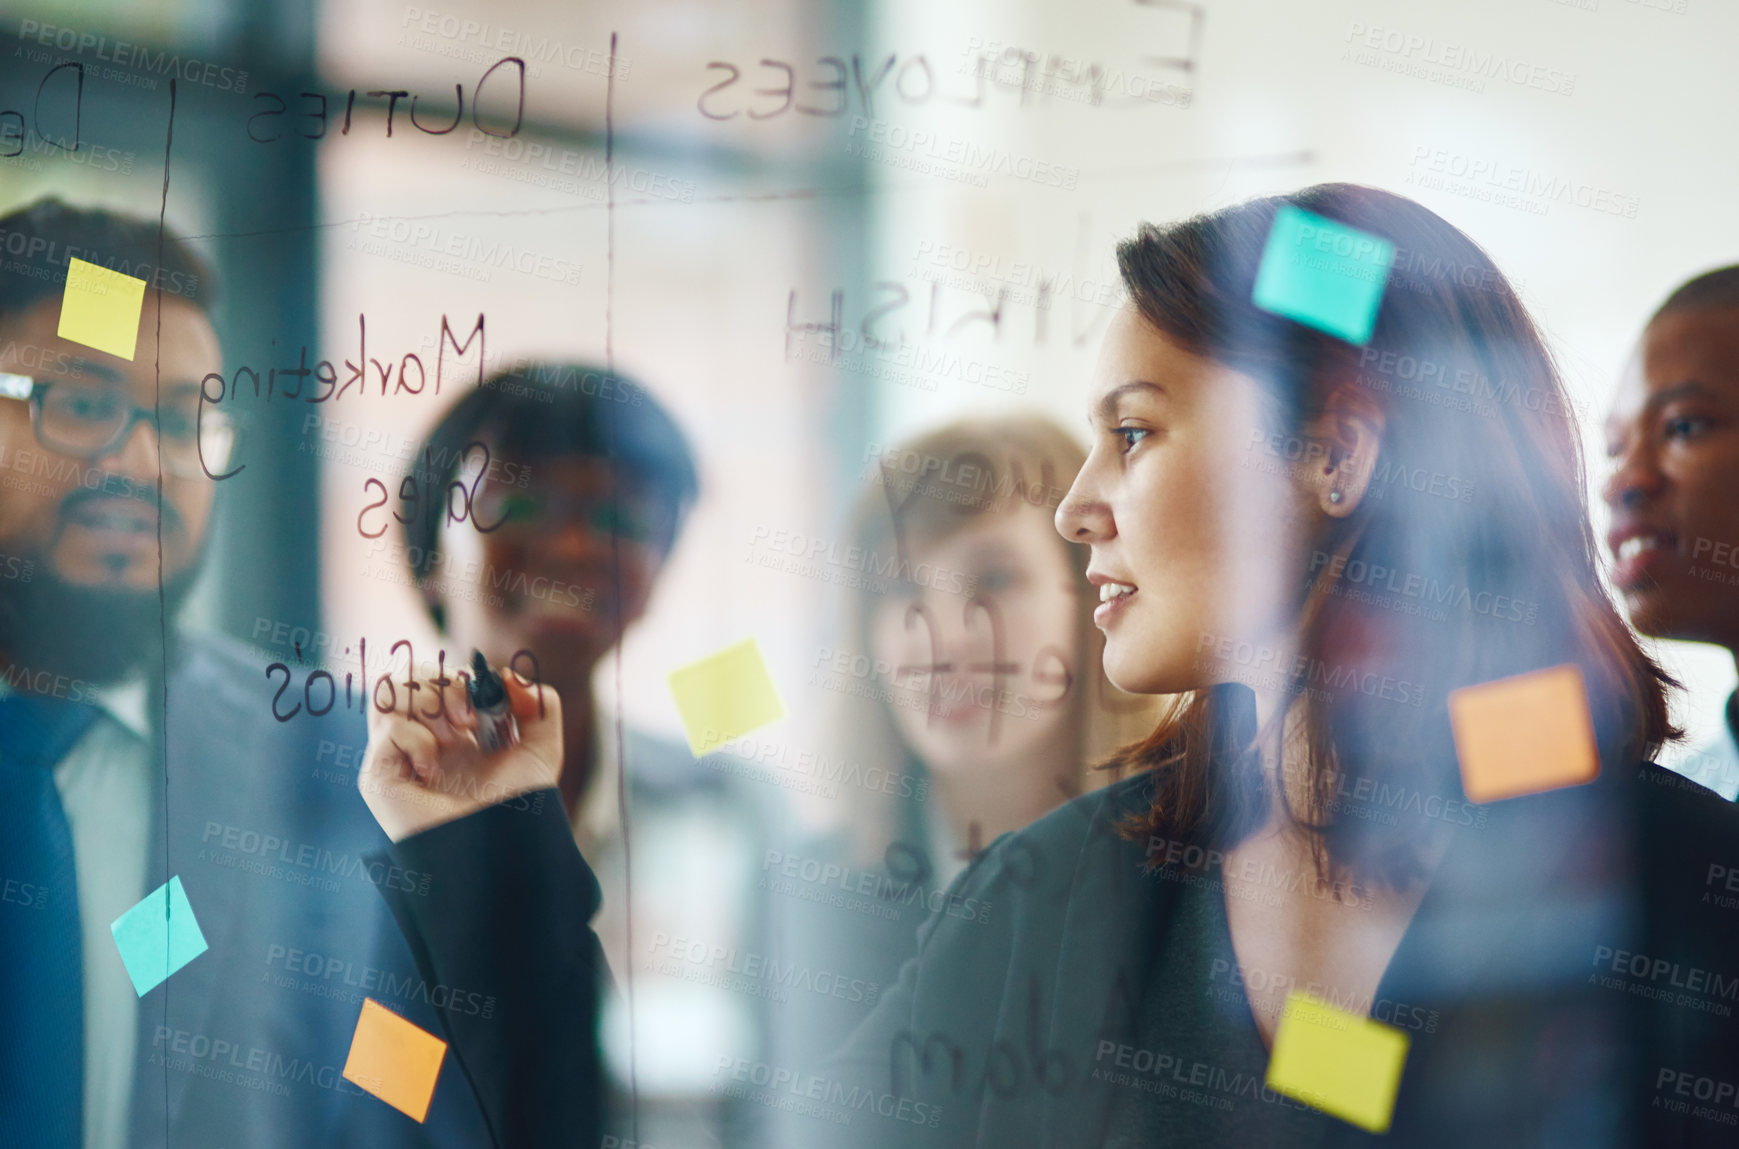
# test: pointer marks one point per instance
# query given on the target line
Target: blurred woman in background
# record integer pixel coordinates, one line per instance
(993, 700)
(986, 709)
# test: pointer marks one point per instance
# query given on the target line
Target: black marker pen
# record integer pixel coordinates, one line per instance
(496, 728)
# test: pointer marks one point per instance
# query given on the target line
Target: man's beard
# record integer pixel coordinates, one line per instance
(99, 634)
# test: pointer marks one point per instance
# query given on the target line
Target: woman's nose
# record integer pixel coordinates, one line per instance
(1633, 480)
(1083, 517)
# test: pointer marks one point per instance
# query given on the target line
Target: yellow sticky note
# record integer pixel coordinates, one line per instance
(724, 696)
(101, 308)
(1524, 734)
(1346, 1065)
(396, 1061)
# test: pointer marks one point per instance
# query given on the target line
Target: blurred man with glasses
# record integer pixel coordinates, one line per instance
(133, 753)
(81, 493)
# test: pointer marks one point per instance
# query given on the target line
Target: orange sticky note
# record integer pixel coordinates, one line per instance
(1341, 1063)
(396, 1061)
(724, 696)
(1524, 734)
(100, 308)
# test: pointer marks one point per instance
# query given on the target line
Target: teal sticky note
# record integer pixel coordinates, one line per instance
(158, 936)
(1323, 273)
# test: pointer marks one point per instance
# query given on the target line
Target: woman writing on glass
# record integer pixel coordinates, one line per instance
(1301, 831)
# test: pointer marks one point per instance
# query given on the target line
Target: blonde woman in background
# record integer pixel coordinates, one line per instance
(989, 693)
(984, 708)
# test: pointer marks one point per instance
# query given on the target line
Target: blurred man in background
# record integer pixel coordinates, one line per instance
(1673, 438)
(132, 753)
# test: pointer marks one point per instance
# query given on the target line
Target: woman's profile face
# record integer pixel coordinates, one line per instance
(983, 668)
(1193, 512)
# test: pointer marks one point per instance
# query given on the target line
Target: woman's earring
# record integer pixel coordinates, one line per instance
(1334, 496)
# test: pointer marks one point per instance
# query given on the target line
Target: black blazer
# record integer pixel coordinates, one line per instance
(1574, 946)
(1585, 974)
(507, 913)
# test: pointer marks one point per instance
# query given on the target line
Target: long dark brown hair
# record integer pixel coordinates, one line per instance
(1476, 501)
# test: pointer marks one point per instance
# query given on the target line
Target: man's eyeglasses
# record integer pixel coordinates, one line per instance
(88, 421)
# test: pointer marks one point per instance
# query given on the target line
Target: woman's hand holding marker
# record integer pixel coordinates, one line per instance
(450, 747)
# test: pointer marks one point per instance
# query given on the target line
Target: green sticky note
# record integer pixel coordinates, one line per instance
(724, 696)
(1324, 274)
(158, 936)
(1342, 1063)
(101, 308)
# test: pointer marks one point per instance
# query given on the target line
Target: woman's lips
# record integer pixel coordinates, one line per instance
(1114, 599)
(951, 699)
(1638, 558)
(957, 712)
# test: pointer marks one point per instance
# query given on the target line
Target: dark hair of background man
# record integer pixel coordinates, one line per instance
(37, 240)
(1711, 290)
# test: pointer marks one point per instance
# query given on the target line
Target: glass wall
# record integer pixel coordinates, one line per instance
(530, 264)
